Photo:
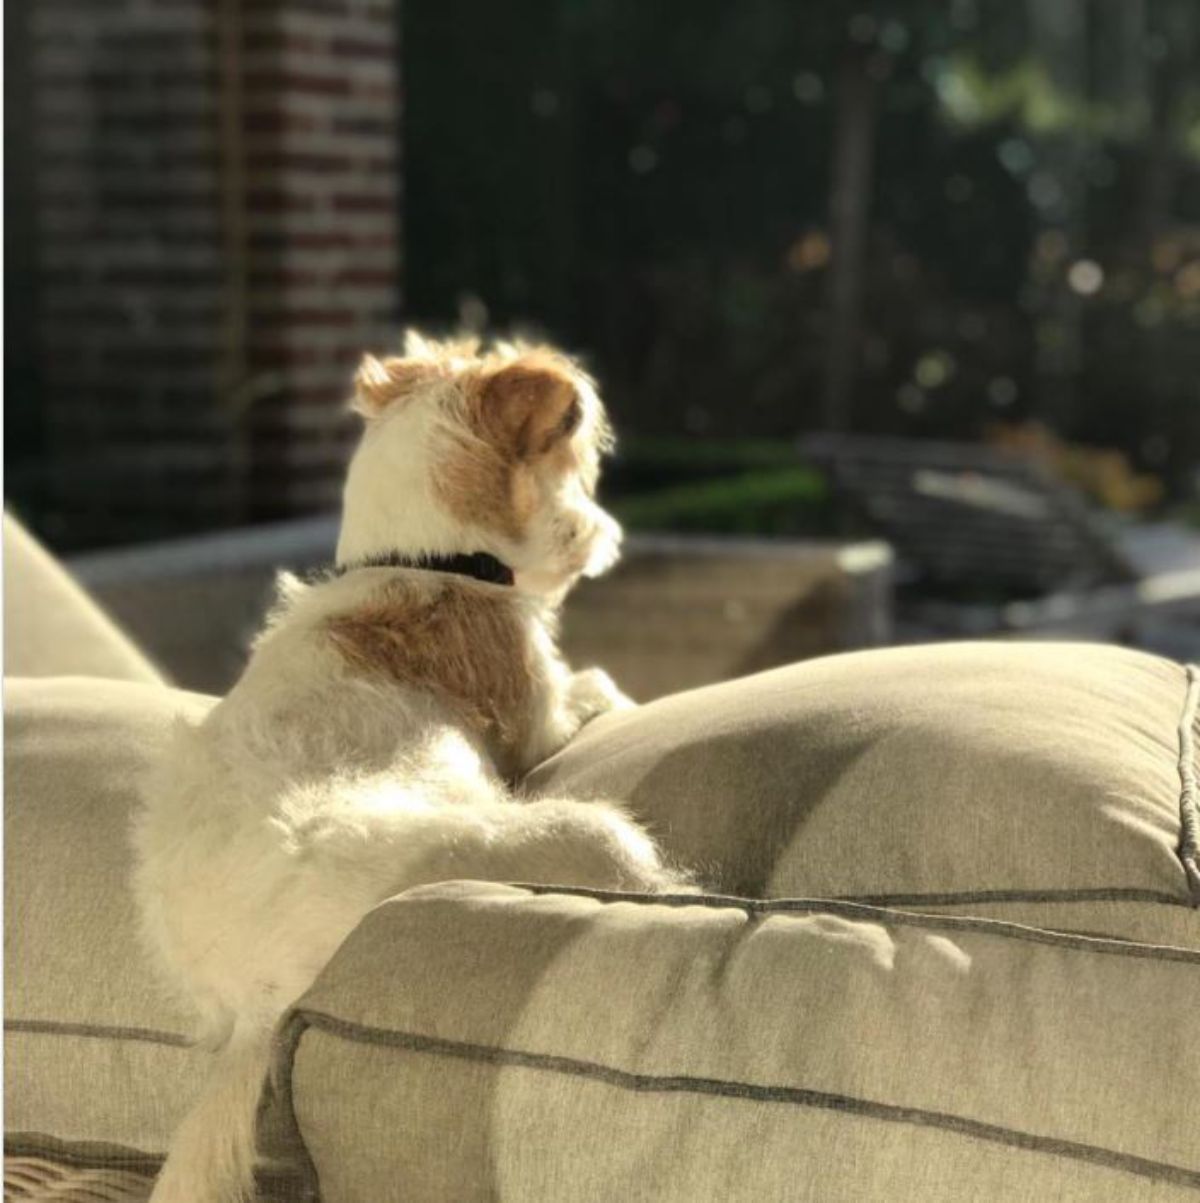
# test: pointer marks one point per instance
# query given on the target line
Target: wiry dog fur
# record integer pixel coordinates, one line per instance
(366, 747)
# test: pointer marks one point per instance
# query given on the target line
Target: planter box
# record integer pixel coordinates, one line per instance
(677, 612)
(684, 611)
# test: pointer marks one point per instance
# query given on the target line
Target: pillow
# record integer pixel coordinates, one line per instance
(52, 627)
(473, 1041)
(1040, 783)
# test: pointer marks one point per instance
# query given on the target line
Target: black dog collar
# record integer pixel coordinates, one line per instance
(479, 565)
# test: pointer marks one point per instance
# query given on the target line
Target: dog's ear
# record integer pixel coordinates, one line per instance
(530, 404)
(380, 383)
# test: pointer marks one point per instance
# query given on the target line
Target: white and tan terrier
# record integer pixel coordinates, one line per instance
(367, 746)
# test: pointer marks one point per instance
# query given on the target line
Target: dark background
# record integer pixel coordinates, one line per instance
(973, 220)
(663, 187)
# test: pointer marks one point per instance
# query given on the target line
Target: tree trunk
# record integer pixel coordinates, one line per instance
(1059, 34)
(849, 223)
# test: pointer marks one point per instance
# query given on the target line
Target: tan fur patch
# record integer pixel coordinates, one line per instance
(478, 485)
(466, 646)
(518, 416)
(380, 383)
(524, 407)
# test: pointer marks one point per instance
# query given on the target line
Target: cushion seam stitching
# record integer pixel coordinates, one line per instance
(731, 1088)
(1188, 854)
(97, 1031)
(885, 916)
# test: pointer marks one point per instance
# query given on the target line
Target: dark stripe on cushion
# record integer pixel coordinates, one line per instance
(96, 1031)
(870, 914)
(83, 1154)
(795, 1096)
(965, 897)
(1188, 820)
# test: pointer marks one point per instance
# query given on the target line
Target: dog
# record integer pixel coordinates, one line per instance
(387, 707)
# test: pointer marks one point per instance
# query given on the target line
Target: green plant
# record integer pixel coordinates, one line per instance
(788, 501)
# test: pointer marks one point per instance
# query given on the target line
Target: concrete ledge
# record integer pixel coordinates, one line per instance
(678, 611)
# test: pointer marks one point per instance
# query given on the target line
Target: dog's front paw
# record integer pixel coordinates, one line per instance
(593, 692)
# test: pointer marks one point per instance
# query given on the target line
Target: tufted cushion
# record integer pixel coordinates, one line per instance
(1045, 785)
(476, 1042)
(1048, 784)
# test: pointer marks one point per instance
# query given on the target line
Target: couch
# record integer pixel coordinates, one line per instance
(949, 949)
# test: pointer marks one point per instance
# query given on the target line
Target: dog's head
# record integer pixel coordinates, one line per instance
(468, 450)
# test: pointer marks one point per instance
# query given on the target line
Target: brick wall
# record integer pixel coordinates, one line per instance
(216, 186)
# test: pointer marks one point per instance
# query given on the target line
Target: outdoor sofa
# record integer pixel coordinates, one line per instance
(949, 949)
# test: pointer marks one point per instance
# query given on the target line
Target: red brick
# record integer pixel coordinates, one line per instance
(136, 273)
(359, 48)
(297, 82)
(271, 120)
(358, 202)
(277, 200)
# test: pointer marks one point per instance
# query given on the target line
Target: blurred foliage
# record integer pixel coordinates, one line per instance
(705, 455)
(725, 486)
(789, 501)
(1100, 473)
(652, 185)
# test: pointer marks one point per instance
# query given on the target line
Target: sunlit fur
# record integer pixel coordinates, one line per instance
(424, 442)
(367, 746)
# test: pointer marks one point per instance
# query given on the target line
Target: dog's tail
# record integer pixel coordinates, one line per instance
(212, 1154)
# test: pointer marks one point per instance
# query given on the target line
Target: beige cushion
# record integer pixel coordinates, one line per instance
(94, 1050)
(1038, 783)
(739, 777)
(475, 1042)
(52, 627)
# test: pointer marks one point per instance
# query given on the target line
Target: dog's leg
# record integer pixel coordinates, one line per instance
(593, 692)
(556, 841)
(211, 1159)
(583, 696)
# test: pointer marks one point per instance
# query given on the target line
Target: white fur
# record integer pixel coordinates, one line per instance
(389, 496)
(311, 793)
